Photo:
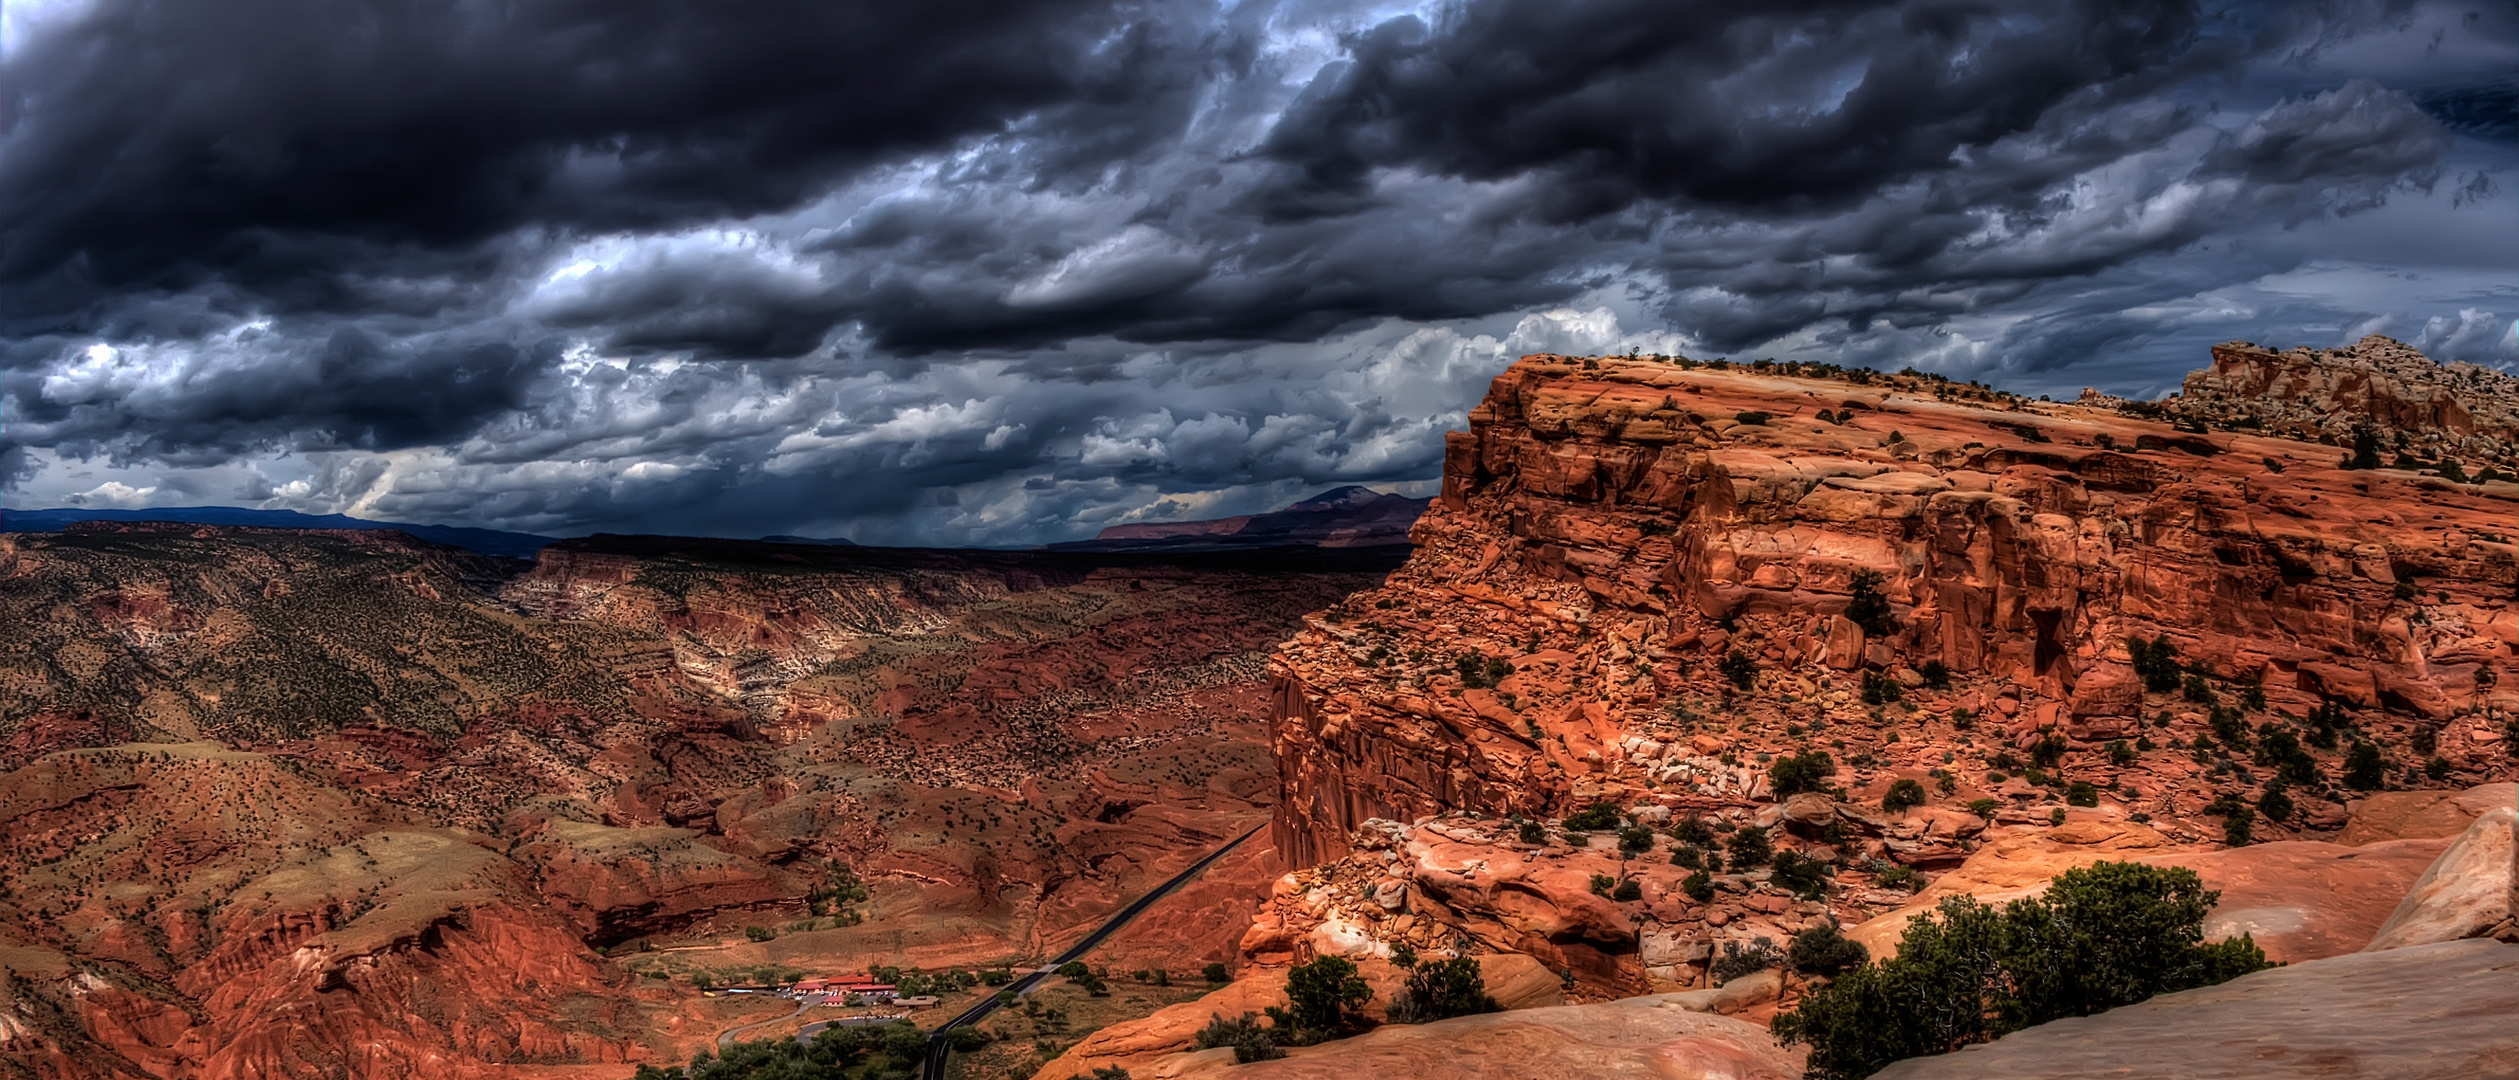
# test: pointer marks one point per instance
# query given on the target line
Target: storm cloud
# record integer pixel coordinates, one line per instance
(1004, 272)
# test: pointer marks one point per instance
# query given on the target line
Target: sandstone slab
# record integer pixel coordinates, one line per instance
(2429, 1012)
(2471, 891)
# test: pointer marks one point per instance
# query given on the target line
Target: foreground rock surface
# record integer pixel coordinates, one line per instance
(2431, 1012)
(1515, 981)
(1645, 1037)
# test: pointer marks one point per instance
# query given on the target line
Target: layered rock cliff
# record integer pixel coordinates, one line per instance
(1649, 579)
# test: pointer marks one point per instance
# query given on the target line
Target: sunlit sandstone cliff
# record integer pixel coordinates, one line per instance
(1611, 528)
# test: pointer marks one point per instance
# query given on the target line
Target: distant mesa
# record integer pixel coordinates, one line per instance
(1351, 516)
(510, 545)
(817, 541)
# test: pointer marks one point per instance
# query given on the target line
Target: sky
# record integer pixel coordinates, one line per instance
(1006, 272)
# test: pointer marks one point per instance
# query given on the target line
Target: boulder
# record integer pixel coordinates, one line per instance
(2469, 892)
(2428, 1012)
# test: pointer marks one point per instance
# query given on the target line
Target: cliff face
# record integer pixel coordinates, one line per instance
(1612, 530)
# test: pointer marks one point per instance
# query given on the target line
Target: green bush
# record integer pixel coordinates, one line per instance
(1599, 816)
(1796, 773)
(1801, 875)
(2103, 935)
(1628, 889)
(1532, 833)
(1442, 990)
(1738, 960)
(1825, 950)
(1936, 675)
(1868, 607)
(1322, 997)
(1984, 808)
(2156, 662)
(1903, 794)
(1738, 667)
(1699, 886)
(759, 933)
(2081, 793)
(2365, 769)
(1750, 848)
(2275, 802)
(1635, 839)
(1690, 857)
(1250, 1040)
(1692, 831)
(1879, 689)
(2120, 754)
(1217, 974)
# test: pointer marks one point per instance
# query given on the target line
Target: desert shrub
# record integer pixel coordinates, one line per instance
(1899, 877)
(1627, 889)
(2275, 802)
(2048, 751)
(1107, 1072)
(2365, 768)
(1984, 808)
(1699, 886)
(759, 933)
(1936, 675)
(1692, 831)
(1752, 417)
(1635, 839)
(1801, 875)
(2103, 935)
(1442, 990)
(1738, 960)
(1868, 607)
(1793, 774)
(2081, 793)
(1740, 668)
(1602, 884)
(1217, 973)
(2239, 826)
(1321, 997)
(1879, 689)
(1531, 833)
(2156, 662)
(1903, 794)
(1825, 950)
(2120, 754)
(1750, 847)
(1249, 1039)
(2197, 690)
(1599, 816)
(1687, 856)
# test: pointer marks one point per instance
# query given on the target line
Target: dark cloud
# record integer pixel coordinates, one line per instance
(162, 144)
(1768, 107)
(996, 272)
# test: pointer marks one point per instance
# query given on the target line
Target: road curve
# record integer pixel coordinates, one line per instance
(939, 1050)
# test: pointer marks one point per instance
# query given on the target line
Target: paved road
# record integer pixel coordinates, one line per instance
(726, 1038)
(938, 1050)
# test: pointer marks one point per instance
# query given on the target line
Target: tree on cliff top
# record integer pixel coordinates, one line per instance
(2103, 935)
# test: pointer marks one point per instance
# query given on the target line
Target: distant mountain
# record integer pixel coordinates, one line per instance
(819, 541)
(511, 545)
(1341, 517)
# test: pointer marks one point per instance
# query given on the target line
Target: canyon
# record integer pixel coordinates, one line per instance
(310, 803)
(307, 803)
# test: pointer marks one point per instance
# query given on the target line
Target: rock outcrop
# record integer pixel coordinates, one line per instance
(1649, 578)
(2460, 411)
(2471, 891)
(2423, 1013)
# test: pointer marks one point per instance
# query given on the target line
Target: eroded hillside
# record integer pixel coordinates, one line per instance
(288, 803)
